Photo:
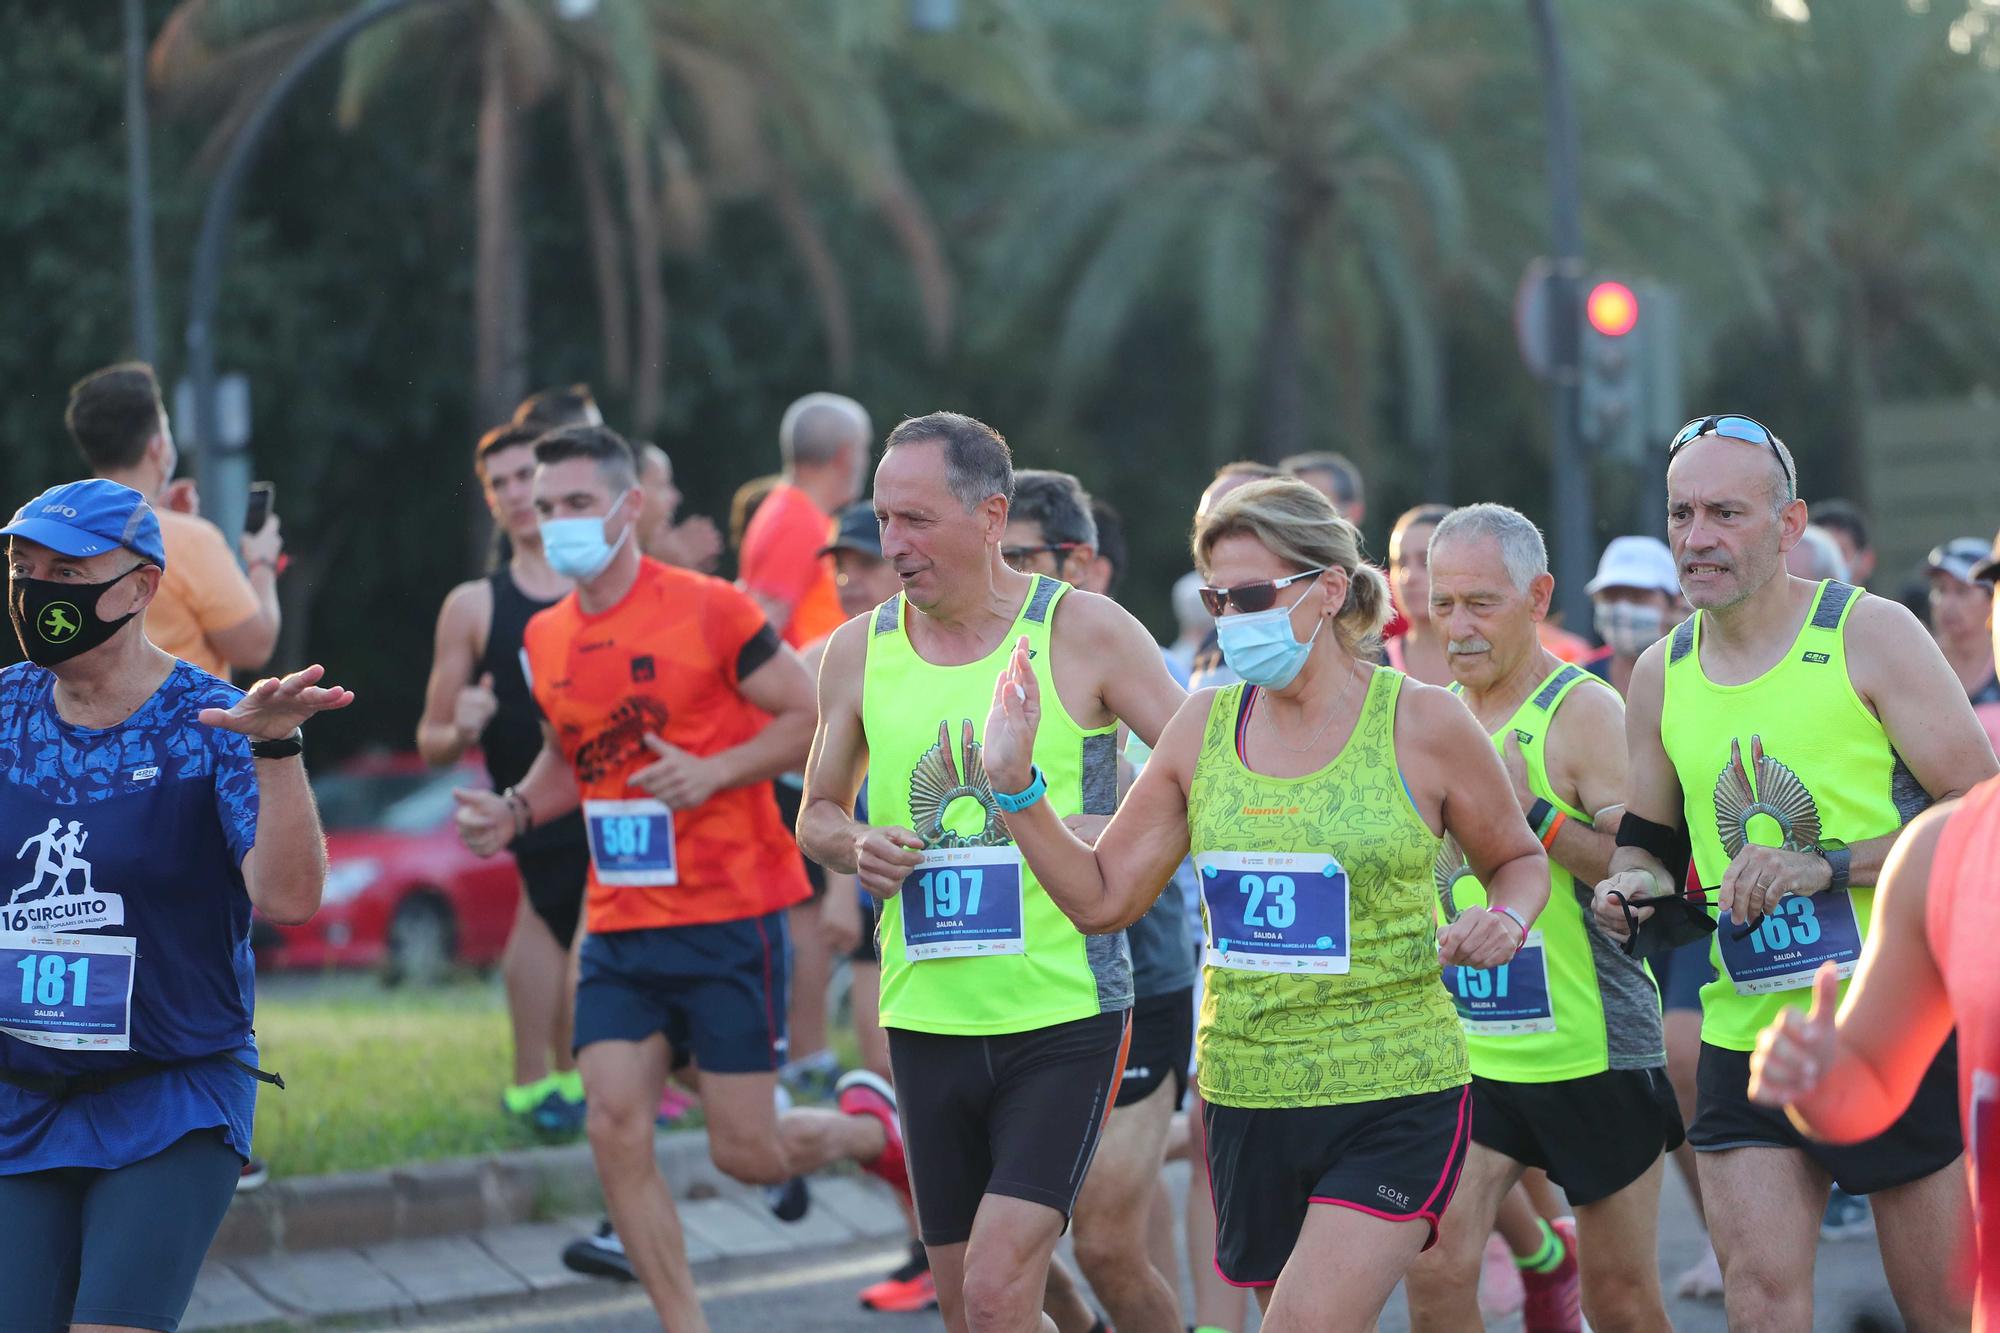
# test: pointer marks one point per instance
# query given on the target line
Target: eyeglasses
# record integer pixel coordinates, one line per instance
(1250, 598)
(1747, 430)
(1016, 556)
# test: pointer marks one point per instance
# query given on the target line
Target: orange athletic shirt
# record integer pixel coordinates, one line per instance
(1963, 921)
(781, 561)
(663, 660)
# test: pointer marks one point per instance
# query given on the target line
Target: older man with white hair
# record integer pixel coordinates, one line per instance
(1568, 1061)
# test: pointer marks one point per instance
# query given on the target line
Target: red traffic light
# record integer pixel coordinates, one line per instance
(1612, 309)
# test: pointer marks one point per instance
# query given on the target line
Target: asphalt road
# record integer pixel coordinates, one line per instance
(820, 1296)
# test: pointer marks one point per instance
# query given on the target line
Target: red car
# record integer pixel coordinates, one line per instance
(402, 892)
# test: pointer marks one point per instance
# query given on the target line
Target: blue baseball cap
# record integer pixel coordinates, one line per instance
(86, 518)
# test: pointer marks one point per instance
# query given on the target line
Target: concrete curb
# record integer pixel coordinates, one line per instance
(519, 1267)
(451, 1198)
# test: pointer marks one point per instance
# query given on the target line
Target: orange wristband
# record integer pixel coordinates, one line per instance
(1555, 826)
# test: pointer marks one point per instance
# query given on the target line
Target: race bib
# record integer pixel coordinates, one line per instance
(631, 842)
(1505, 1001)
(1789, 945)
(1274, 911)
(963, 902)
(70, 992)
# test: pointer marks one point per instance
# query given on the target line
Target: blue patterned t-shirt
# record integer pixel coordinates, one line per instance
(130, 838)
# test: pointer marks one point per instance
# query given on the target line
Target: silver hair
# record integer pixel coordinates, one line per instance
(820, 425)
(1521, 546)
(1827, 561)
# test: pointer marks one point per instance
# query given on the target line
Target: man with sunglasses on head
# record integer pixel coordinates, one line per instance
(1053, 528)
(1565, 1040)
(1008, 1027)
(1786, 733)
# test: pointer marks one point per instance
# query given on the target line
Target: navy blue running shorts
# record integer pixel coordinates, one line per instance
(122, 1246)
(719, 991)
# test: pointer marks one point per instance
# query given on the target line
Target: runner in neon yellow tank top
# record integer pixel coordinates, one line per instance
(1313, 800)
(1567, 1051)
(1767, 731)
(1007, 1026)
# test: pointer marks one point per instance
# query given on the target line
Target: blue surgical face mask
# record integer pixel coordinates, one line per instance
(1261, 647)
(576, 548)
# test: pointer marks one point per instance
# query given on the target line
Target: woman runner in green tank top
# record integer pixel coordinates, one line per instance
(1313, 799)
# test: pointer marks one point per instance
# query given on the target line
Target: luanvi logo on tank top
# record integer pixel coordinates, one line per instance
(946, 775)
(1763, 804)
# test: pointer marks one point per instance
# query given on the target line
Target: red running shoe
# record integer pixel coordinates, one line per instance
(1554, 1301)
(860, 1092)
(909, 1290)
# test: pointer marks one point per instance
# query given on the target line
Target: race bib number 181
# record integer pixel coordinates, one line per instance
(70, 992)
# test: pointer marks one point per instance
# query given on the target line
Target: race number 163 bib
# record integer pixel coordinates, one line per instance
(1789, 945)
(1274, 911)
(71, 992)
(963, 902)
(631, 842)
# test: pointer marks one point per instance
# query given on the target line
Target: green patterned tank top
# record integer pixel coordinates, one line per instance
(1321, 976)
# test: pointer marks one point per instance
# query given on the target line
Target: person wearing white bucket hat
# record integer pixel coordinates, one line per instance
(1633, 598)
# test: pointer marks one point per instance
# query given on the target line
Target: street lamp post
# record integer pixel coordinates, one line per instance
(224, 471)
(1572, 524)
(139, 189)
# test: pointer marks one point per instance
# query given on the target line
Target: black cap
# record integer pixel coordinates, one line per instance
(856, 530)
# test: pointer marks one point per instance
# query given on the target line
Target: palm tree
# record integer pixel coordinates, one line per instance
(698, 104)
(1277, 163)
(1874, 127)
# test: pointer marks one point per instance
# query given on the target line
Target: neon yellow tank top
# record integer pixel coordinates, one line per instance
(1571, 1004)
(1792, 759)
(972, 946)
(1321, 978)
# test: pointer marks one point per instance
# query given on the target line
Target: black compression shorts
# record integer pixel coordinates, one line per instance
(1018, 1115)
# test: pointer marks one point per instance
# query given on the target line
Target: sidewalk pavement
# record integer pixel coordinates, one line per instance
(460, 1236)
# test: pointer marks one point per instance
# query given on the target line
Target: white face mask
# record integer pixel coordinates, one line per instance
(1629, 628)
(577, 548)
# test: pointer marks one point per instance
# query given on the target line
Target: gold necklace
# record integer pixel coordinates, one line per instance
(1346, 685)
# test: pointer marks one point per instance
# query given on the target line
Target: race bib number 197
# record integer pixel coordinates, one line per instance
(963, 902)
(70, 992)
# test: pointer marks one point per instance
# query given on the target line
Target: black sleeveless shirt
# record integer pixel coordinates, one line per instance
(514, 736)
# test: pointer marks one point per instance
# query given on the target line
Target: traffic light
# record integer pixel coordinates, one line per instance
(1611, 363)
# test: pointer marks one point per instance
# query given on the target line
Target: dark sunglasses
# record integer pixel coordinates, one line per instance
(1250, 598)
(1016, 556)
(1677, 919)
(1746, 429)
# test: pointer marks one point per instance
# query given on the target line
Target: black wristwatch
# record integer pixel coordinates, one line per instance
(284, 747)
(1839, 862)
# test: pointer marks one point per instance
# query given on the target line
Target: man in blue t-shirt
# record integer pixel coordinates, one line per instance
(148, 807)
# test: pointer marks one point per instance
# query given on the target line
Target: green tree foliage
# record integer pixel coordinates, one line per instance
(1159, 233)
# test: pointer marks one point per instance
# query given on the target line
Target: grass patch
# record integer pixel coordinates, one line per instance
(378, 1077)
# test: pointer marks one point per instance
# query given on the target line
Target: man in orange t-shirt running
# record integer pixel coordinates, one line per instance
(668, 703)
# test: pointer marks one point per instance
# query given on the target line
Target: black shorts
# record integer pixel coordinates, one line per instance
(865, 949)
(1017, 1115)
(1924, 1140)
(554, 877)
(1162, 1045)
(790, 798)
(1396, 1159)
(1593, 1135)
(717, 991)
